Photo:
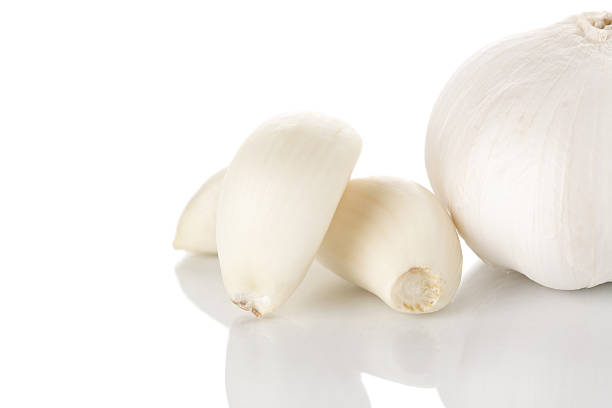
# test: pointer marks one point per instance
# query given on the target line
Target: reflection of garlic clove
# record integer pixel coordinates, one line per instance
(394, 239)
(279, 195)
(196, 227)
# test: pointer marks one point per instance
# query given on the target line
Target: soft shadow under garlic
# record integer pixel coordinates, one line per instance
(505, 341)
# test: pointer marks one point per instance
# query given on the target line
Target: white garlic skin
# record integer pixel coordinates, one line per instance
(279, 195)
(519, 149)
(393, 238)
(196, 230)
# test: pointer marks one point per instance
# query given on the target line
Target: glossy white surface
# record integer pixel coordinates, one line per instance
(504, 342)
(113, 113)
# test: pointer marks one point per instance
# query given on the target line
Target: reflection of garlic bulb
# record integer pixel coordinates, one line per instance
(519, 148)
(515, 332)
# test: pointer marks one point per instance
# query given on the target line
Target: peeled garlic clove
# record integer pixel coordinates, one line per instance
(363, 205)
(279, 196)
(196, 230)
(394, 239)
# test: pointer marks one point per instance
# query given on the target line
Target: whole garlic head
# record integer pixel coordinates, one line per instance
(518, 149)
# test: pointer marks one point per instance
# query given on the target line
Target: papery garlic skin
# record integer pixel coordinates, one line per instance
(279, 195)
(196, 230)
(394, 239)
(518, 149)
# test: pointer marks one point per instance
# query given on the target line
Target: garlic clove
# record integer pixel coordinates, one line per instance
(365, 243)
(394, 239)
(279, 195)
(196, 231)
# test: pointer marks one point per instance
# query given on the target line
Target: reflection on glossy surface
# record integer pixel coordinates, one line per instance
(504, 342)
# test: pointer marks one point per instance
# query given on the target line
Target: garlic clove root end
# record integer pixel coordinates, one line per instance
(416, 291)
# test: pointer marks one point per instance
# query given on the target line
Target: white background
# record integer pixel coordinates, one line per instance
(112, 113)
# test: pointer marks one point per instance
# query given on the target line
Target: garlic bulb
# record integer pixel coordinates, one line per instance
(394, 239)
(196, 231)
(279, 195)
(518, 149)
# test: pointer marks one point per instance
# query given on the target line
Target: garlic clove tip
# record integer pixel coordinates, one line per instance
(254, 303)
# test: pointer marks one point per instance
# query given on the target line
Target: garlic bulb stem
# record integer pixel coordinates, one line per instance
(596, 26)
